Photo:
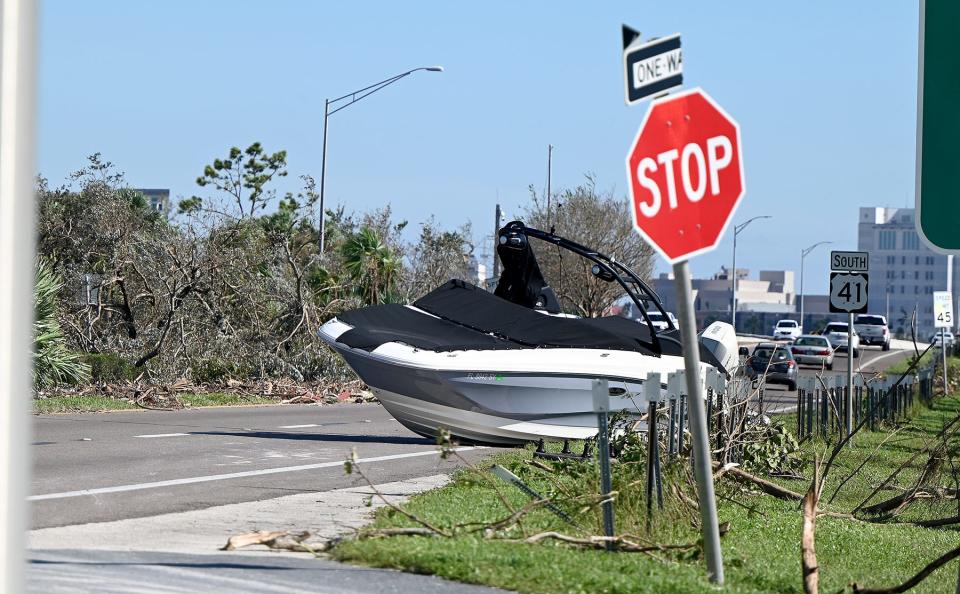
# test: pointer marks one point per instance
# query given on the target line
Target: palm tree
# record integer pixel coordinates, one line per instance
(53, 361)
(371, 265)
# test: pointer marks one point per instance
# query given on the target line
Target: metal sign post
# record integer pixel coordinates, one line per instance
(699, 437)
(943, 319)
(848, 407)
(849, 288)
(601, 405)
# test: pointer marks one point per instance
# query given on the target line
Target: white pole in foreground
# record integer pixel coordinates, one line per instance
(703, 465)
(17, 68)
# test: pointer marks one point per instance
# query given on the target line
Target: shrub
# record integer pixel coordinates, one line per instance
(110, 367)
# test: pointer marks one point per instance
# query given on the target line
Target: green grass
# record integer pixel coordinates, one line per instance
(75, 404)
(901, 366)
(761, 550)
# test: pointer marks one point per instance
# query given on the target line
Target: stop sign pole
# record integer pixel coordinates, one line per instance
(686, 179)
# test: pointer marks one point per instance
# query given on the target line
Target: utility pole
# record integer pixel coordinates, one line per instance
(733, 300)
(803, 254)
(549, 192)
(496, 242)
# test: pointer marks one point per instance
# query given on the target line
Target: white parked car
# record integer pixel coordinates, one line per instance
(836, 333)
(948, 338)
(786, 330)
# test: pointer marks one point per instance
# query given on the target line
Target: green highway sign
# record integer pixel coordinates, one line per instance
(938, 126)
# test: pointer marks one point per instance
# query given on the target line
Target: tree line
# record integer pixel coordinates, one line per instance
(233, 285)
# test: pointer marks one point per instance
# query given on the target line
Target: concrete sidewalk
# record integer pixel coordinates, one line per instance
(179, 552)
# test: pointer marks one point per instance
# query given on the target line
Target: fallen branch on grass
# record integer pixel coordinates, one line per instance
(600, 542)
(808, 557)
(766, 486)
(922, 575)
(382, 532)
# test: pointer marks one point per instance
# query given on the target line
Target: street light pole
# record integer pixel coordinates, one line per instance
(803, 254)
(327, 112)
(733, 301)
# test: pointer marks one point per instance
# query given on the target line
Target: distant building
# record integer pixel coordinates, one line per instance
(772, 296)
(904, 272)
(158, 199)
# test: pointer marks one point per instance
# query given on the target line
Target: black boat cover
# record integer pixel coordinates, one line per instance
(375, 325)
(470, 306)
(470, 318)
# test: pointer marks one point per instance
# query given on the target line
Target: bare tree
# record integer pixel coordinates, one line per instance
(597, 220)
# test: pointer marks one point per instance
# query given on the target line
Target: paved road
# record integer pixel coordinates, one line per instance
(138, 572)
(142, 477)
(778, 399)
(110, 466)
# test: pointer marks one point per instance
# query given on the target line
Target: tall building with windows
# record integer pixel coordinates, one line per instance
(159, 199)
(904, 273)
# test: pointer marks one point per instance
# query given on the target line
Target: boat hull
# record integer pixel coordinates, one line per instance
(478, 405)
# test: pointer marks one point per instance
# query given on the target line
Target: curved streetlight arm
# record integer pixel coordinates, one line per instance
(805, 251)
(354, 97)
(367, 91)
(733, 269)
(803, 254)
(738, 228)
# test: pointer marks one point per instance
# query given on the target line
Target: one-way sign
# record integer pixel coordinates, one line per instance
(848, 292)
(652, 67)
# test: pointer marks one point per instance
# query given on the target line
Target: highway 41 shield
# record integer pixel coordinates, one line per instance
(848, 292)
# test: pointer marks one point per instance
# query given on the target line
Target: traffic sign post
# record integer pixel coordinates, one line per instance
(685, 173)
(848, 293)
(943, 319)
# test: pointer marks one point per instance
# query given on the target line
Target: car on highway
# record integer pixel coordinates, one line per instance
(873, 329)
(809, 349)
(624, 307)
(774, 363)
(948, 339)
(786, 330)
(659, 322)
(836, 333)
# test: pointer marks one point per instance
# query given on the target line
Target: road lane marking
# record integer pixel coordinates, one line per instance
(873, 361)
(298, 426)
(149, 435)
(231, 475)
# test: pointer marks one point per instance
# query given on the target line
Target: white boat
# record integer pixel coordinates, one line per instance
(508, 367)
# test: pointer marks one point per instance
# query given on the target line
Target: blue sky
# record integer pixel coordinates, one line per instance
(825, 93)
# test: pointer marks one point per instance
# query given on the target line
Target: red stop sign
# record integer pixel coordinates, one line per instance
(686, 174)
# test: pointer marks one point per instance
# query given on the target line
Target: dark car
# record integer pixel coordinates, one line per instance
(774, 360)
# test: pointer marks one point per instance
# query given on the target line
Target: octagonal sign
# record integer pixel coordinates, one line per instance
(686, 174)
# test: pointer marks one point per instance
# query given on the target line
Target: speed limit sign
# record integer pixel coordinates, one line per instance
(942, 309)
(848, 292)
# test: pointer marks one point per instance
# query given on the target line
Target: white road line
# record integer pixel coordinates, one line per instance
(149, 435)
(232, 475)
(871, 362)
(297, 426)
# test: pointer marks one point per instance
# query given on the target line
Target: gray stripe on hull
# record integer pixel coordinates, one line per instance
(516, 396)
(426, 418)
